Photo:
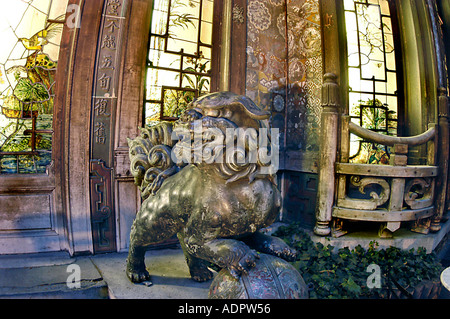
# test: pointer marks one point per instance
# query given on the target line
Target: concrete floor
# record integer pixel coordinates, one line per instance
(169, 276)
(101, 276)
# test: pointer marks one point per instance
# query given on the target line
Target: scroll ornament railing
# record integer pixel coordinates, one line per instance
(405, 192)
(390, 194)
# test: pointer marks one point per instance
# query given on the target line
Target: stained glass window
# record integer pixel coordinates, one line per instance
(179, 58)
(31, 32)
(372, 73)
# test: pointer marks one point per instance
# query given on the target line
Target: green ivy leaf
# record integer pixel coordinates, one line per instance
(351, 286)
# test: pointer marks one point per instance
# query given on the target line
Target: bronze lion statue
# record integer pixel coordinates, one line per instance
(210, 179)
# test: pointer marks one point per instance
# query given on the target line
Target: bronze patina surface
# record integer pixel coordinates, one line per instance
(214, 196)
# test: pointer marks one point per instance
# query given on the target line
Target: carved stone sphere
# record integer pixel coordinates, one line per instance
(271, 278)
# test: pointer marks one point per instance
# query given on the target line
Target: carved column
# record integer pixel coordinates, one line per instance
(225, 52)
(103, 118)
(328, 151)
(443, 153)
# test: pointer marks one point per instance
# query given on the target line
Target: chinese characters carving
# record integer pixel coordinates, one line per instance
(103, 107)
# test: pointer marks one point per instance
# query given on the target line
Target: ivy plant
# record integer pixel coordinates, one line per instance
(344, 273)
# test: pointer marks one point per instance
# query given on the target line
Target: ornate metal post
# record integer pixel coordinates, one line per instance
(328, 152)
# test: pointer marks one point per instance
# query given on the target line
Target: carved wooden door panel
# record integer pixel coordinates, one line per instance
(284, 76)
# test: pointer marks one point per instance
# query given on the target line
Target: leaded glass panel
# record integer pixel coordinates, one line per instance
(31, 33)
(179, 58)
(372, 73)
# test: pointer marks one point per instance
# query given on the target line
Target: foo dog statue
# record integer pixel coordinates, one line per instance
(209, 179)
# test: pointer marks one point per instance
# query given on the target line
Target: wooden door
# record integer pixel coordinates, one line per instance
(31, 217)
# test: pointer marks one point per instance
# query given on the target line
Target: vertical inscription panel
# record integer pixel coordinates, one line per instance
(103, 109)
(106, 80)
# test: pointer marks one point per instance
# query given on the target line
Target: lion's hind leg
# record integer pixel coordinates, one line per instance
(198, 268)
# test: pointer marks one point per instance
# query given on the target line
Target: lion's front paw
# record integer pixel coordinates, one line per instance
(286, 253)
(277, 247)
(271, 245)
(137, 274)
